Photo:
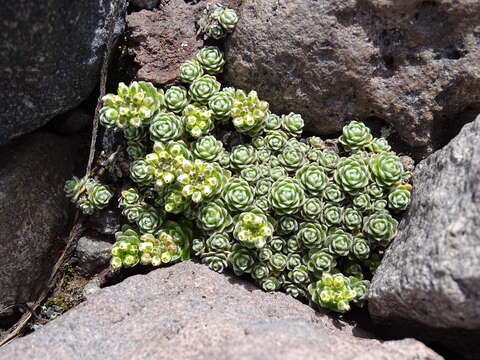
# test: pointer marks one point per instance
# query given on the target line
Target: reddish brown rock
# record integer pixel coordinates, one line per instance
(160, 41)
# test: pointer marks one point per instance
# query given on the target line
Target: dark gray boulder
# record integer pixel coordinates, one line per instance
(190, 312)
(50, 57)
(428, 284)
(92, 255)
(411, 64)
(34, 213)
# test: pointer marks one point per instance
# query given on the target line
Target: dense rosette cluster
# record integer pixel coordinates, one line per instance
(220, 21)
(88, 194)
(306, 216)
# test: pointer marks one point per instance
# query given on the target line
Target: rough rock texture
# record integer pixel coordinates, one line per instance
(50, 57)
(106, 222)
(429, 280)
(189, 312)
(92, 255)
(414, 64)
(160, 41)
(144, 4)
(33, 212)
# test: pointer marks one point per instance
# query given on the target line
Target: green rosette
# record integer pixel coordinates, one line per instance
(166, 127)
(238, 195)
(207, 148)
(211, 59)
(293, 124)
(221, 104)
(197, 119)
(253, 229)
(241, 259)
(386, 168)
(176, 98)
(203, 88)
(332, 292)
(242, 156)
(312, 209)
(399, 198)
(249, 113)
(313, 178)
(286, 196)
(355, 136)
(311, 235)
(190, 71)
(214, 217)
(351, 175)
(380, 227)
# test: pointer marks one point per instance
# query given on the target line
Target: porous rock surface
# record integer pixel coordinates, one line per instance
(428, 284)
(92, 255)
(160, 41)
(50, 57)
(33, 213)
(190, 312)
(413, 64)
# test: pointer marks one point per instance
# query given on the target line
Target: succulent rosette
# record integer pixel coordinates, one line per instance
(332, 292)
(133, 105)
(333, 193)
(227, 18)
(273, 122)
(380, 227)
(386, 169)
(243, 156)
(207, 148)
(299, 275)
(141, 172)
(332, 215)
(355, 136)
(352, 219)
(339, 242)
(286, 196)
(275, 140)
(312, 209)
(203, 88)
(287, 225)
(362, 202)
(176, 98)
(211, 59)
(221, 104)
(98, 195)
(311, 235)
(198, 120)
(292, 158)
(270, 283)
(190, 71)
(165, 127)
(150, 220)
(251, 174)
(320, 261)
(260, 271)
(293, 124)
(379, 145)
(238, 195)
(213, 216)
(351, 175)
(399, 198)
(360, 248)
(241, 259)
(313, 178)
(249, 113)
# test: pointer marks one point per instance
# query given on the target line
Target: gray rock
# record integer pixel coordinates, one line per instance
(106, 222)
(50, 57)
(72, 122)
(33, 212)
(189, 312)
(92, 255)
(428, 284)
(413, 64)
(92, 287)
(144, 4)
